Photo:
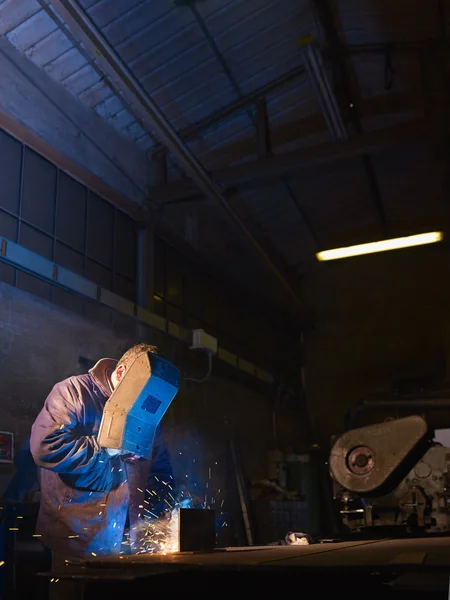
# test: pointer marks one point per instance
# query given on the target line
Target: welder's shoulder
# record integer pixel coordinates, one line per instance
(71, 388)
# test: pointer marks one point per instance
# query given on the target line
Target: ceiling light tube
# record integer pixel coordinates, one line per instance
(382, 246)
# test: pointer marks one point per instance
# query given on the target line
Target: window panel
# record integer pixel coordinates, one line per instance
(159, 306)
(8, 226)
(160, 268)
(99, 274)
(125, 246)
(191, 322)
(192, 294)
(174, 314)
(125, 287)
(68, 258)
(71, 213)
(174, 274)
(100, 230)
(228, 319)
(36, 241)
(39, 191)
(10, 165)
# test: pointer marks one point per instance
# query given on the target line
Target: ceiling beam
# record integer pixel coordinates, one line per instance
(196, 130)
(259, 171)
(325, 11)
(69, 13)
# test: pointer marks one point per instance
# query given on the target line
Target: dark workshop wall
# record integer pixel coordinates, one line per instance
(379, 319)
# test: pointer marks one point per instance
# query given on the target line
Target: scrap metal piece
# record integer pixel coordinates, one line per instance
(137, 405)
(197, 529)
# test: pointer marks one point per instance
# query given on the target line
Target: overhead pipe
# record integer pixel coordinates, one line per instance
(314, 66)
(69, 13)
(419, 404)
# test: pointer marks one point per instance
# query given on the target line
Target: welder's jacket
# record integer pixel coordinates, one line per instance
(86, 494)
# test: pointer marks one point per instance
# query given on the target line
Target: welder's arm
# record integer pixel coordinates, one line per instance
(57, 441)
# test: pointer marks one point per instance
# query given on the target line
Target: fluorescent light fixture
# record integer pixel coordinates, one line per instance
(394, 244)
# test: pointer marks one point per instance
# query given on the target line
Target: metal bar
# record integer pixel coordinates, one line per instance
(19, 212)
(262, 129)
(214, 47)
(261, 170)
(194, 131)
(243, 496)
(260, 122)
(141, 267)
(322, 88)
(113, 252)
(55, 217)
(191, 132)
(84, 30)
(161, 168)
(86, 229)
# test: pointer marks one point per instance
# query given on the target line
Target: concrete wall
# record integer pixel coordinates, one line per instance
(378, 319)
(40, 344)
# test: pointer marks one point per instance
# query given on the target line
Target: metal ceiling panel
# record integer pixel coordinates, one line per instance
(89, 3)
(106, 12)
(97, 93)
(64, 65)
(385, 21)
(137, 16)
(189, 49)
(220, 15)
(82, 79)
(259, 24)
(15, 12)
(170, 34)
(31, 31)
(109, 107)
(184, 71)
(204, 92)
(49, 48)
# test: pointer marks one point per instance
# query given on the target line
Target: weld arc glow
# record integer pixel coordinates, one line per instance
(382, 246)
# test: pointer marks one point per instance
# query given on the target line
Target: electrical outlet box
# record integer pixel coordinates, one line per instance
(203, 341)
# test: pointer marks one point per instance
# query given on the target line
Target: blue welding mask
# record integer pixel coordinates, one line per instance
(135, 408)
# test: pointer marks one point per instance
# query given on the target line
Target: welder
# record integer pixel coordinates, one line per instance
(89, 492)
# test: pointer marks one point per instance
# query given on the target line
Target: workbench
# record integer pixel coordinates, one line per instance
(400, 568)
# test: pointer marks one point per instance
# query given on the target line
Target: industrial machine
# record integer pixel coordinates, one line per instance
(137, 405)
(392, 474)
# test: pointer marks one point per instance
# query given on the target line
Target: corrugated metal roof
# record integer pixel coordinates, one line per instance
(195, 60)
